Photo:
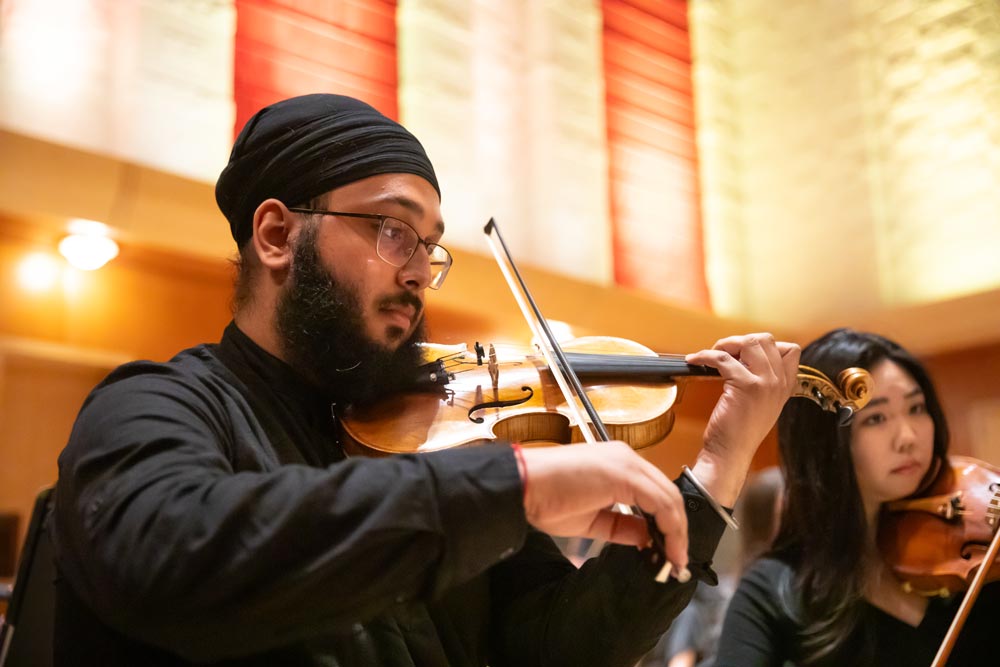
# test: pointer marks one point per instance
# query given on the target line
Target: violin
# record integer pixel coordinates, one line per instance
(428, 421)
(936, 542)
(462, 399)
(946, 540)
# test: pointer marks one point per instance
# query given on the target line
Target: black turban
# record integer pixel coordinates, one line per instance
(302, 147)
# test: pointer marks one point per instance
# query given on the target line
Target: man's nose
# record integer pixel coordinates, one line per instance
(416, 273)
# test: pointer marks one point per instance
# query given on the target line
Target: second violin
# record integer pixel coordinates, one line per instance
(936, 542)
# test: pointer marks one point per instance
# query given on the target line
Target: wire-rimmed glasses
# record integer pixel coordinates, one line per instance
(397, 242)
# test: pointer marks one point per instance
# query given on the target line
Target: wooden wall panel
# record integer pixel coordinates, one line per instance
(967, 383)
(39, 399)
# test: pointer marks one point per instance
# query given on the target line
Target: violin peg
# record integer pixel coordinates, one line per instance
(845, 414)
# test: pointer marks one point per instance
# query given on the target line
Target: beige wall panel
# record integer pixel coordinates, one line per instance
(849, 154)
(508, 99)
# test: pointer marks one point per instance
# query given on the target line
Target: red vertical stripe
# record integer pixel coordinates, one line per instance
(293, 47)
(651, 142)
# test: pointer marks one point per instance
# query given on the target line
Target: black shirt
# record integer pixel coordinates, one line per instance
(205, 514)
(761, 629)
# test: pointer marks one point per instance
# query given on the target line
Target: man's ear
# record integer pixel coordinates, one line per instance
(274, 229)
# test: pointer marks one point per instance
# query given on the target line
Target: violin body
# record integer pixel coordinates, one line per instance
(936, 542)
(521, 403)
(632, 389)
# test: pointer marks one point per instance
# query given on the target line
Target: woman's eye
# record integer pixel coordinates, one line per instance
(918, 409)
(872, 420)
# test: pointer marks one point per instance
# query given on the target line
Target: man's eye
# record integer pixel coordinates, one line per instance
(393, 233)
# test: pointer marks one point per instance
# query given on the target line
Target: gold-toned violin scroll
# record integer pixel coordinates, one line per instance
(850, 393)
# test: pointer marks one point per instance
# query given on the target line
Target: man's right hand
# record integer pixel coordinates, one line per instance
(571, 489)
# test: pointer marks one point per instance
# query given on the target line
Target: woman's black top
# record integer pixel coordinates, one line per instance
(761, 628)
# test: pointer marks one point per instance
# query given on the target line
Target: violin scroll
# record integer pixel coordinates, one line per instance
(850, 393)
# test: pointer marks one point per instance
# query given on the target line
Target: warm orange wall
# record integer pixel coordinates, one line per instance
(57, 344)
(144, 304)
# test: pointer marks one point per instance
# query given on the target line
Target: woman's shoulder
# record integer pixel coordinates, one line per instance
(761, 627)
(768, 585)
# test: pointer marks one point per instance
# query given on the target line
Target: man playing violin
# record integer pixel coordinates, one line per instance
(206, 514)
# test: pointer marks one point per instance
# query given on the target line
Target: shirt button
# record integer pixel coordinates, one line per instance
(693, 504)
(507, 554)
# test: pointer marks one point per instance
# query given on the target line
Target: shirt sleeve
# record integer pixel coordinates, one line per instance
(610, 612)
(757, 624)
(158, 533)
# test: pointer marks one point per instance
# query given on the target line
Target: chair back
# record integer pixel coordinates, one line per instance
(26, 636)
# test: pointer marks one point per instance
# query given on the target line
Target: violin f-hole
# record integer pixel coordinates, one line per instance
(529, 392)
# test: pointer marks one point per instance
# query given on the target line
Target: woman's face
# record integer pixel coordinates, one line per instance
(892, 438)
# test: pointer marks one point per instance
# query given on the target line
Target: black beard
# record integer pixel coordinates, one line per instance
(323, 336)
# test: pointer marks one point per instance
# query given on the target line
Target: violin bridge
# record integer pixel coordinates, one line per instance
(494, 368)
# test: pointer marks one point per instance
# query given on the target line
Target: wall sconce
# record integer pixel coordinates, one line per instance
(89, 245)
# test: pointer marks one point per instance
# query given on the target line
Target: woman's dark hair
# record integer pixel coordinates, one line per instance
(823, 529)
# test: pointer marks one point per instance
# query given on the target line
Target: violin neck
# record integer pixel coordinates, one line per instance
(615, 366)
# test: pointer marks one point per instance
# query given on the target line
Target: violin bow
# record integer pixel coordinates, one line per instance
(562, 371)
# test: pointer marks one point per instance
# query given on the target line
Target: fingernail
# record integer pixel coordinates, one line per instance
(683, 575)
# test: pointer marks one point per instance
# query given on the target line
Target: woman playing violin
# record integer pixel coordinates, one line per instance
(825, 595)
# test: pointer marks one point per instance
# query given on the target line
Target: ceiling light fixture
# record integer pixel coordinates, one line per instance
(89, 245)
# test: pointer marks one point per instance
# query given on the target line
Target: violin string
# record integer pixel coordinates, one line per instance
(619, 359)
(521, 351)
(622, 359)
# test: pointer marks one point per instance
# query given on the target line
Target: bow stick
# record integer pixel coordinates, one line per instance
(562, 371)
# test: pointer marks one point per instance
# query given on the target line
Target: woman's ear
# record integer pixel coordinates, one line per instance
(274, 228)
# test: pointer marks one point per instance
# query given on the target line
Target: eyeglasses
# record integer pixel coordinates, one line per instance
(397, 242)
